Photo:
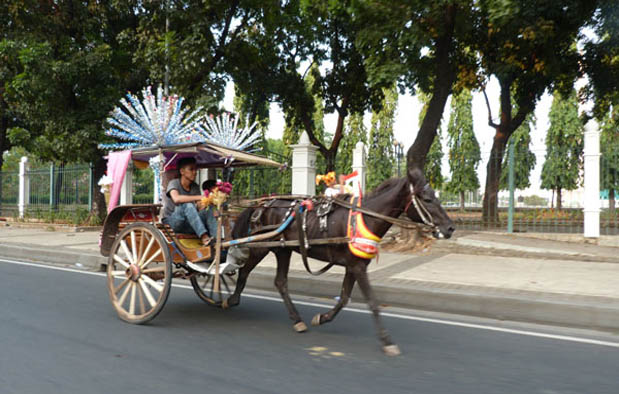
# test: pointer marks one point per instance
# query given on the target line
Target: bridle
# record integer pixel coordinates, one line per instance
(425, 216)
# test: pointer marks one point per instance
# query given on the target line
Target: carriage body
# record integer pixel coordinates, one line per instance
(144, 254)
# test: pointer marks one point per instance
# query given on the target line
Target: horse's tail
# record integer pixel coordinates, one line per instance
(241, 224)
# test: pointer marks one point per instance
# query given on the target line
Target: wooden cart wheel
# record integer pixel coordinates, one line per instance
(204, 286)
(139, 273)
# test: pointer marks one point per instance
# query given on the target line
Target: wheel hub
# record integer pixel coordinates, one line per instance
(133, 272)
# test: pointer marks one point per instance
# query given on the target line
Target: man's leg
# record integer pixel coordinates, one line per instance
(192, 217)
(208, 218)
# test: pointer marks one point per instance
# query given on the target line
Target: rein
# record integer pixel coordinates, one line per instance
(404, 223)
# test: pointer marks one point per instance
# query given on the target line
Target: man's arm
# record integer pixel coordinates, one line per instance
(178, 198)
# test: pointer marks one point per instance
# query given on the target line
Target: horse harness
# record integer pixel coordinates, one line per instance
(361, 241)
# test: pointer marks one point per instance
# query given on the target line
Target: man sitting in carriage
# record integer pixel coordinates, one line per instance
(182, 208)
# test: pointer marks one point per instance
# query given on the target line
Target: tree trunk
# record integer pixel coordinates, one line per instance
(559, 199)
(504, 130)
(490, 205)
(611, 203)
(445, 74)
(330, 160)
(462, 200)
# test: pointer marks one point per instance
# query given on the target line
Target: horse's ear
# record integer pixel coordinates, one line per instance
(416, 178)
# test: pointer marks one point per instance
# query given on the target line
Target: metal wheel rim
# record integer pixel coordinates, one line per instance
(204, 285)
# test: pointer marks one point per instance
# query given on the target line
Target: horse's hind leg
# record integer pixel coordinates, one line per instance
(255, 257)
(281, 282)
(361, 275)
(347, 285)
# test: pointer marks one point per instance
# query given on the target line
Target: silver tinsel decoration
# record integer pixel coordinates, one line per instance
(157, 120)
(223, 130)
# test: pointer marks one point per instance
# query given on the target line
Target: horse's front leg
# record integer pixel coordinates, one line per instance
(281, 282)
(255, 257)
(347, 285)
(360, 272)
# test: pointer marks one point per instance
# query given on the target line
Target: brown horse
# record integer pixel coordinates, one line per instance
(391, 198)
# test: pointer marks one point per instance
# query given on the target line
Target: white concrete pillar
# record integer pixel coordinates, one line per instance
(358, 164)
(24, 186)
(592, 180)
(156, 189)
(126, 191)
(304, 166)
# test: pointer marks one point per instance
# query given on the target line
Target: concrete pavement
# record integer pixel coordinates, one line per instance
(512, 277)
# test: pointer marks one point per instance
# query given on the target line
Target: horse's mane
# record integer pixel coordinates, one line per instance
(388, 184)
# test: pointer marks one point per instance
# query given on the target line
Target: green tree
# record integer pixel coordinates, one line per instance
(74, 64)
(609, 141)
(528, 47)
(292, 33)
(422, 45)
(355, 131)
(380, 151)
(601, 59)
(434, 161)
(564, 146)
(464, 153)
(198, 43)
(524, 159)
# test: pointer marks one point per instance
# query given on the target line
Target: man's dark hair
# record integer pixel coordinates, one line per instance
(185, 161)
(208, 184)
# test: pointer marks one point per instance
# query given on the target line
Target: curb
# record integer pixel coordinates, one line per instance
(599, 313)
(87, 261)
(592, 312)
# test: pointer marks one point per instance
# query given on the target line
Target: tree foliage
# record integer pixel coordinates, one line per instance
(354, 132)
(464, 153)
(601, 59)
(295, 33)
(422, 45)
(564, 146)
(380, 151)
(71, 64)
(609, 142)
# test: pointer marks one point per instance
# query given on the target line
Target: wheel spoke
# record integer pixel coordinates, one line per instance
(132, 299)
(140, 247)
(123, 296)
(120, 261)
(119, 274)
(141, 298)
(147, 293)
(120, 286)
(155, 269)
(125, 248)
(208, 278)
(134, 250)
(143, 256)
(152, 283)
(151, 258)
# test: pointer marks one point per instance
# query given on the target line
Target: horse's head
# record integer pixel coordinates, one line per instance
(424, 207)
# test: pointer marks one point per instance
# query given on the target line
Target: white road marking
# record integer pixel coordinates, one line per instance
(356, 310)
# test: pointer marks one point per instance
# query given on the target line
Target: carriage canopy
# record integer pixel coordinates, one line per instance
(207, 155)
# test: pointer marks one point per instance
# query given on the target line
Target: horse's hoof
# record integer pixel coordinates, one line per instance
(300, 327)
(224, 304)
(391, 350)
(316, 320)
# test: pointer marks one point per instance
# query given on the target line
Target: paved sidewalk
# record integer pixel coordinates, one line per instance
(502, 276)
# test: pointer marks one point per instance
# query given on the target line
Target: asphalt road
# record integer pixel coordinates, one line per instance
(60, 334)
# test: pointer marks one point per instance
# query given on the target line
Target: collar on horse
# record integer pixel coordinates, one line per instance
(363, 242)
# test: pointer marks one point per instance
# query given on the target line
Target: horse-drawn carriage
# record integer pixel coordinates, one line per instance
(145, 254)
